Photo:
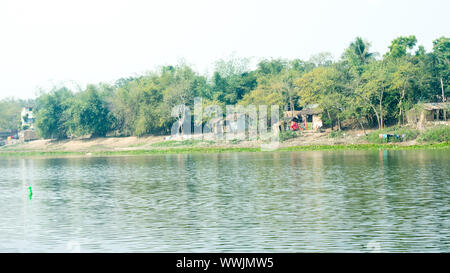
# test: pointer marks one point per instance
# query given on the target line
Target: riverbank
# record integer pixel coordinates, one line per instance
(181, 150)
(304, 141)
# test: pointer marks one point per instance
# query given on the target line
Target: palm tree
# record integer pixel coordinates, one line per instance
(357, 54)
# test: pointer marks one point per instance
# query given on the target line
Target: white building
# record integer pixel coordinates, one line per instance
(27, 118)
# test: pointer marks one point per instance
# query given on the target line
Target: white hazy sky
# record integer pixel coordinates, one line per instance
(50, 42)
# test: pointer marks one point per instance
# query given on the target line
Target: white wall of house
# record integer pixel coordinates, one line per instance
(27, 117)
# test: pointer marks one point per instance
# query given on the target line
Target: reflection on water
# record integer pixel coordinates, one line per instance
(237, 202)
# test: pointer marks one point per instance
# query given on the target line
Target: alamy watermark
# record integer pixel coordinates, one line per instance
(73, 246)
(239, 123)
(373, 246)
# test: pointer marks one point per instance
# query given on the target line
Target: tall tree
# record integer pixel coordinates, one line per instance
(404, 79)
(441, 56)
(357, 55)
(51, 115)
(373, 91)
(88, 114)
(323, 86)
(400, 46)
(10, 114)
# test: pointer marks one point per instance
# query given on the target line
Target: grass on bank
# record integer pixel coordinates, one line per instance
(175, 143)
(366, 147)
(436, 134)
(336, 134)
(410, 134)
(189, 150)
(286, 135)
(433, 135)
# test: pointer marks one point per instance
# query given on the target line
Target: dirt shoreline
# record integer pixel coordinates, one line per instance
(159, 145)
(159, 142)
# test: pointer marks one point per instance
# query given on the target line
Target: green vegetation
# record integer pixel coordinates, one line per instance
(336, 134)
(235, 141)
(437, 134)
(434, 134)
(286, 135)
(175, 143)
(366, 147)
(361, 86)
(37, 153)
(137, 145)
(10, 113)
(52, 119)
(183, 150)
(409, 134)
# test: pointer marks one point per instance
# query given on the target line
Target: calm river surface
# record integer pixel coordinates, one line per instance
(344, 201)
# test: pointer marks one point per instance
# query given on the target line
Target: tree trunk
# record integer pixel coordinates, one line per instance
(401, 112)
(292, 106)
(381, 108)
(378, 117)
(329, 117)
(381, 121)
(360, 123)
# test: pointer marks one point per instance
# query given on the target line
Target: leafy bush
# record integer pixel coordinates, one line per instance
(10, 114)
(373, 137)
(187, 142)
(285, 135)
(410, 134)
(235, 141)
(336, 134)
(436, 134)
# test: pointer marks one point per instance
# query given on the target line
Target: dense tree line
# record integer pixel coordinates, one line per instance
(10, 109)
(362, 87)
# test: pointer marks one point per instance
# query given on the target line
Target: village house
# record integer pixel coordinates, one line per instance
(217, 126)
(307, 119)
(234, 123)
(6, 136)
(27, 118)
(429, 113)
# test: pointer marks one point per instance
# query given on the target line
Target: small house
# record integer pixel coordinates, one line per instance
(236, 123)
(217, 126)
(27, 135)
(309, 118)
(5, 134)
(429, 112)
(27, 118)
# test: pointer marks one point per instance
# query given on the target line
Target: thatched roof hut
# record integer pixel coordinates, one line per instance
(309, 117)
(428, 112)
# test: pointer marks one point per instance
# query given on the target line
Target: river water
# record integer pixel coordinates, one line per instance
(321, 201)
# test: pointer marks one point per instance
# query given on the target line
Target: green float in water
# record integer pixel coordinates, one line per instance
(30, 193)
